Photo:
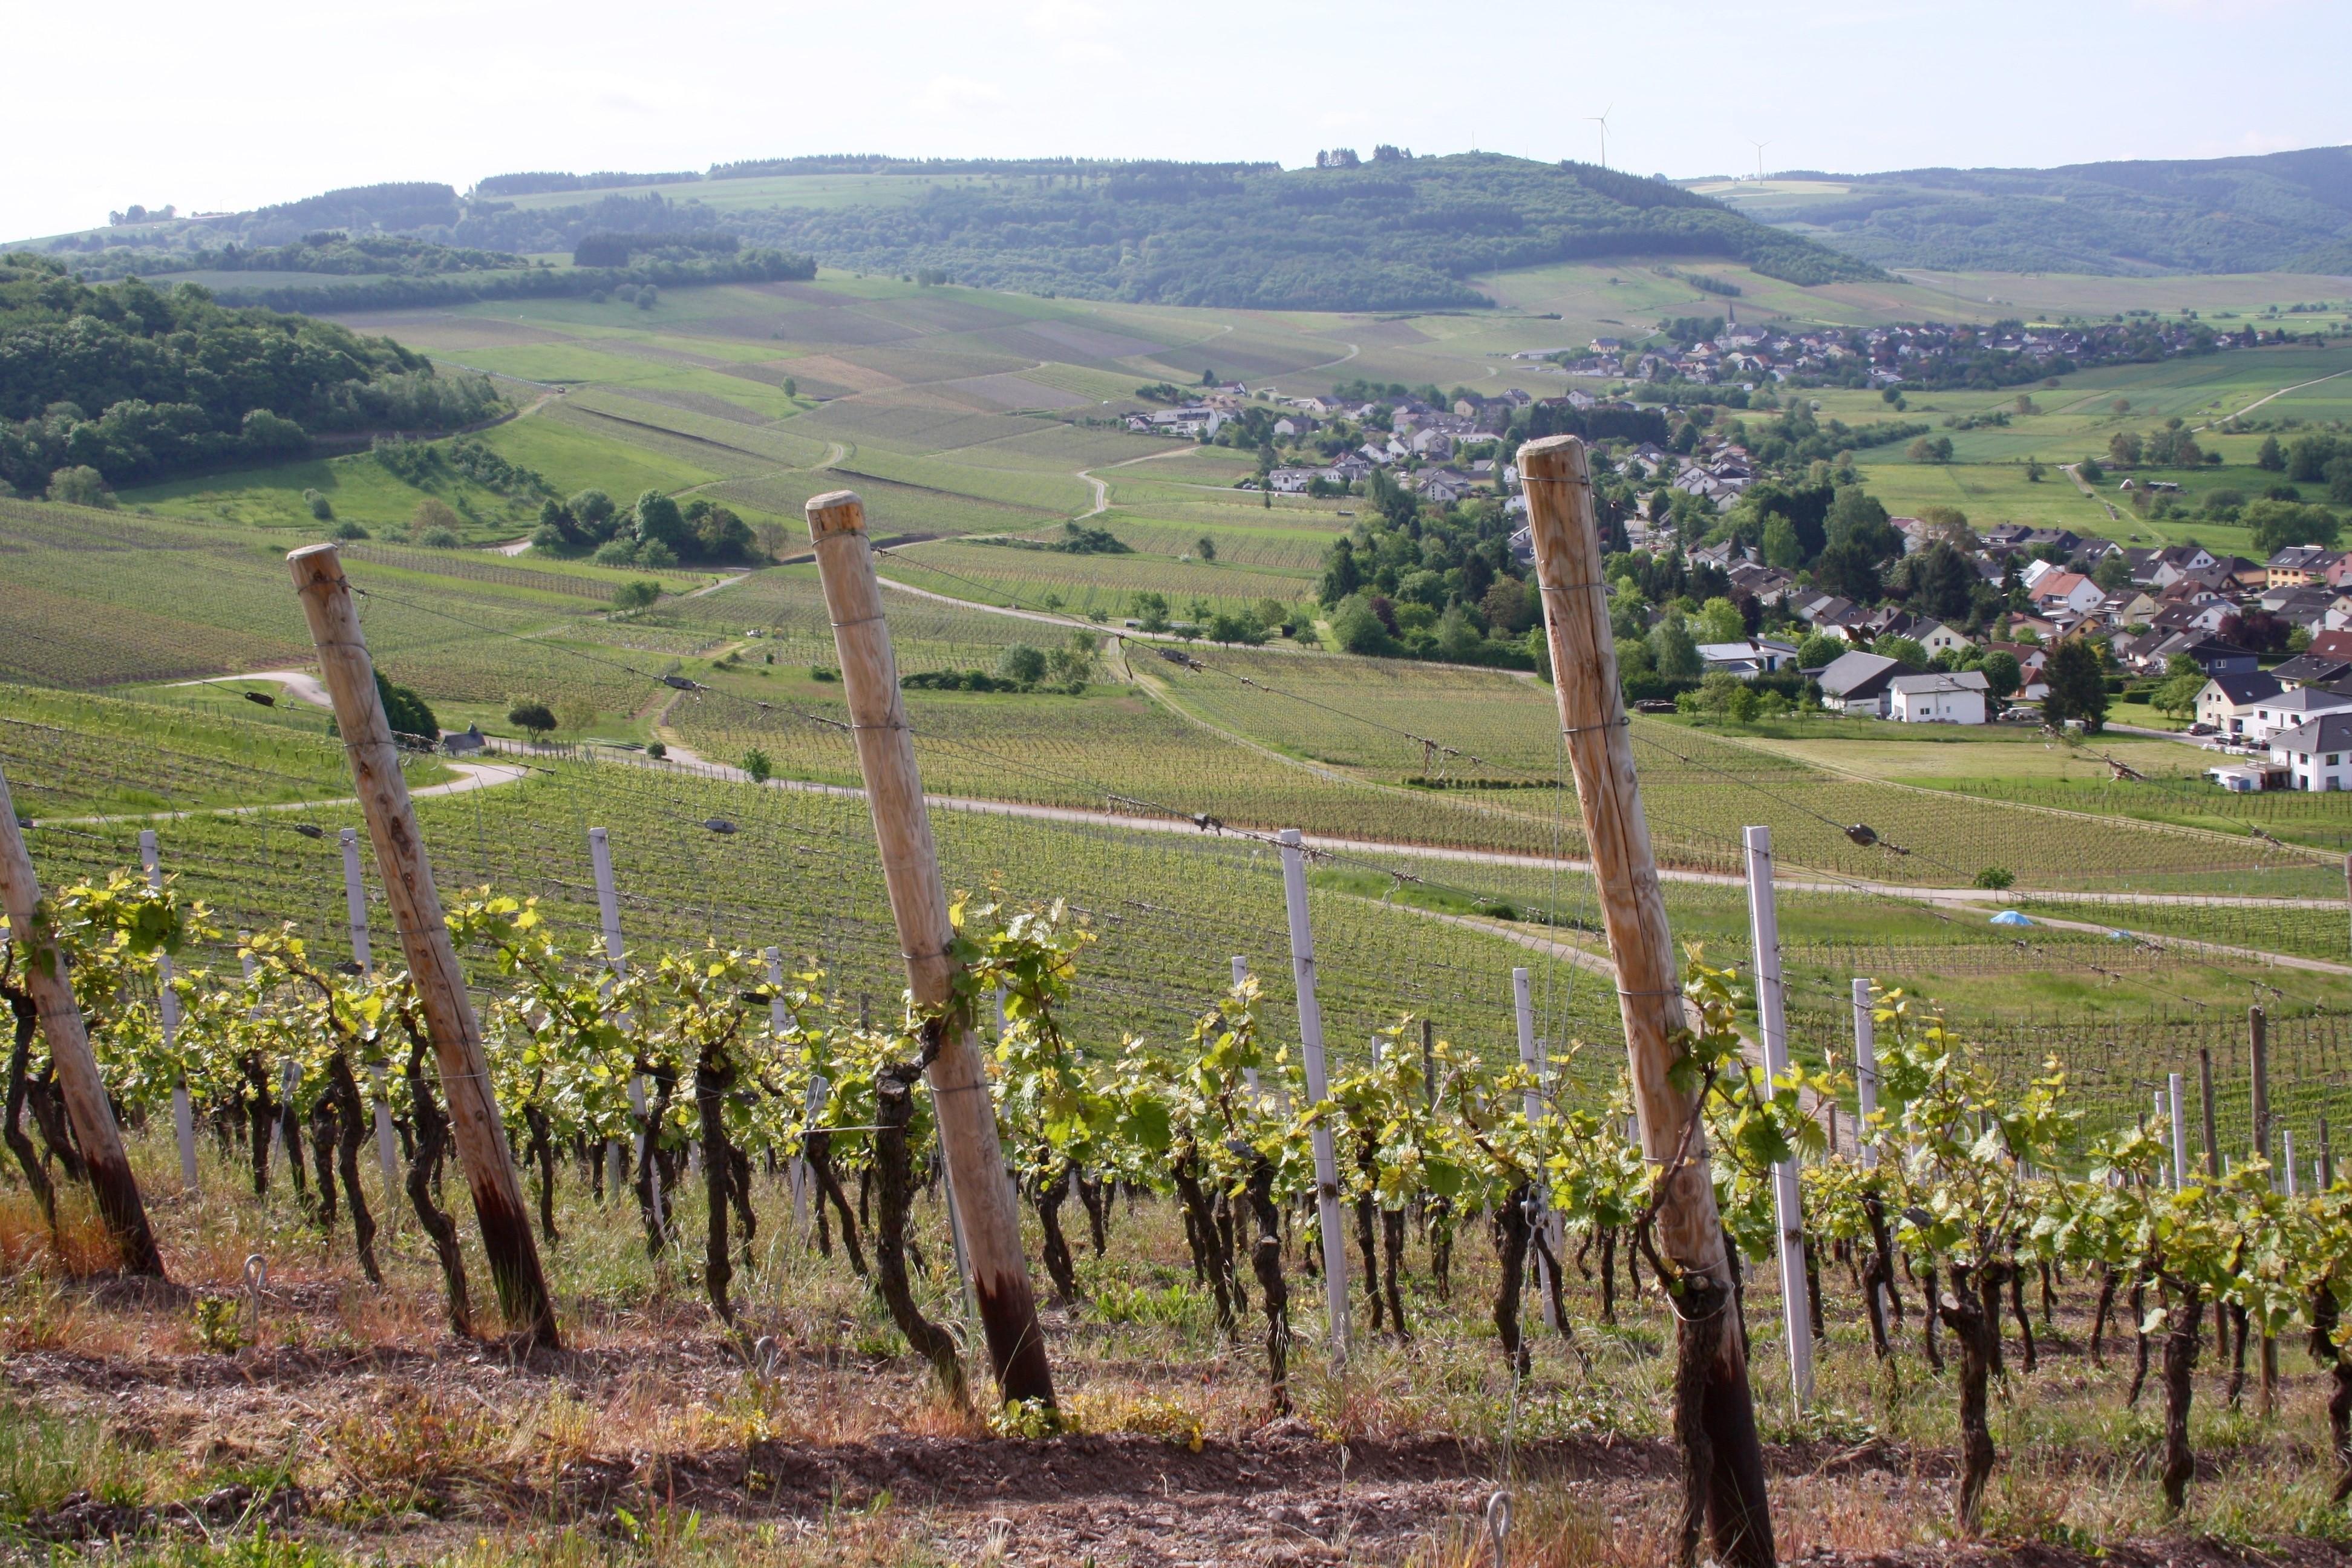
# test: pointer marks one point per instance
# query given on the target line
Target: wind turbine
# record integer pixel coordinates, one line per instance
(1759, 147)
(1602, 119)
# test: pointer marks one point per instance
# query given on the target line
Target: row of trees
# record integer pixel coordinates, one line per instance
(1967, 1183)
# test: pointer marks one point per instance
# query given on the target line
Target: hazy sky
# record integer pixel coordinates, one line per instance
(226, 106)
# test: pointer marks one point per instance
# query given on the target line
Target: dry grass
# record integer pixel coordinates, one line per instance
(361, 1397)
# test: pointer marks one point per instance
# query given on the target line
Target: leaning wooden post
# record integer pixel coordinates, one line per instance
(1310, 1061)
(355, 910)
(1689, 1231)
(918, 904)
(1788, 1197)
(92, 1114)
(167, 1014)
(2212, 1138)
(415, 903)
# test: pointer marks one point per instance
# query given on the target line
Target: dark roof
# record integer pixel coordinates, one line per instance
(1853, 675)
(2312, 669)
(2255, 688)
(2329, 733)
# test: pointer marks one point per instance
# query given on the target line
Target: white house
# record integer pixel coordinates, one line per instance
(2316, 755)
(1856, 683)
(1939, 697)
(1290, 481)
(1936, 637)
(1756, 656)
(2292, 708)
(2227, 703)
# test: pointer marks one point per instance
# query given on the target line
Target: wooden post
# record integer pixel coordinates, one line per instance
(408, 888)
(2179, 1107)
(388, 1142)
(2258, 1057)
(1310, 1058)
(1594, 724)
(1523, 1014)
(910, 870)
(167, 1014)
(1788, 1200)
(2213, 1137)
(608, 913)
(1240, 972)
(1865, 1074)
(110, 1181)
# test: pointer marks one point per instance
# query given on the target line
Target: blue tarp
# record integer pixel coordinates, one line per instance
(2010, 917)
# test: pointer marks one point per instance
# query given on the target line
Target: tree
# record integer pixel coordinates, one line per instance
(2002, 673)
(1673, 649)
(1818, 649)
(1357, 626)
(2124, 449)
(757, 767)
(405, 711)
(2113, 573)
(2078, 687)
(80, 485)
(1905, 650)
(1341, 575)
(1509, 606)
(593, 510)
(659, 521)
(638, 595)
(1150, 612)
(1719, 621)
(2272, 459)
(1849, 568)
(2091, 472)
(2033, 470)
(1205, 548)
(1021, 663)
(1856, 517)
(1782, 546)
(2182, 681)
(2278, 524)
(1943, 580)
(1931, 449)
(532, 714)
(433, 523)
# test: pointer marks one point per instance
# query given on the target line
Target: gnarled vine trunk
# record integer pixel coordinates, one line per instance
(423, 1173)
(2180, 1326)
(1273, 1295)
(1977, 1335)
(1511, 1255)
(894, 1184)
(37, 1176)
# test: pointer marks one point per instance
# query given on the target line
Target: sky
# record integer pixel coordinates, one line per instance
(229, 106)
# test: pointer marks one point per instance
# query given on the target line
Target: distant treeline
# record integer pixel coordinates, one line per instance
(604, 180)
(1383, 236)
(330, 252)
(606, 248)
(138, 384)
(525, 283)
(880, 163)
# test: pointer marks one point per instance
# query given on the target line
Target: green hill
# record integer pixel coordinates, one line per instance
(2280, 212)
(1394, 232)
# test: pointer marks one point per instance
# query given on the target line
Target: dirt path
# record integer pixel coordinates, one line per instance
(471, 776)
(2084, 485)
(2282, 392)
(298, 683)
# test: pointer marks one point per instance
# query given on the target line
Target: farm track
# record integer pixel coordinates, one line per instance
(471, 776)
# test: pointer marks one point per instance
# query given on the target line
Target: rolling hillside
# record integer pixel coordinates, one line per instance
(1393, 234)
(2281, 212)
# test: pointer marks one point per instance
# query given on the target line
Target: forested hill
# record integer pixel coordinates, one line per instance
(1393, 233)
(2283, 211)
(131, 382)
(1388, 234)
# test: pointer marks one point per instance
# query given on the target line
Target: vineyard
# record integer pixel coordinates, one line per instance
(734, 1176)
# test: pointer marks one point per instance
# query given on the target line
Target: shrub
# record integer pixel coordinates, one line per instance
(346, 529)
(437, 539)
(1994, 877)
(80, 486)
(757, 765)
(615, 552)
(321, 508)
(655, 750)
(1021, 663)
(638, 595)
